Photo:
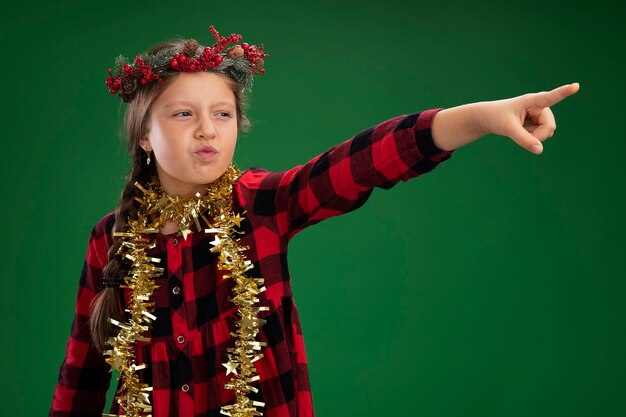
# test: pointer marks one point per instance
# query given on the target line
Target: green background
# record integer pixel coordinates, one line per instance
(493, 286)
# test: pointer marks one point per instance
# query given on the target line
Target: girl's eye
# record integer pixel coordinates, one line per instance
(182, 113)
(223, 114)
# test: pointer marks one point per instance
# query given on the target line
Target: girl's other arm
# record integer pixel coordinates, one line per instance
(84, 375)
(526, 119)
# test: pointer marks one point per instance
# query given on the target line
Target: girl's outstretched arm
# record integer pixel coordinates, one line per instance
(526, 119)
(341, 179)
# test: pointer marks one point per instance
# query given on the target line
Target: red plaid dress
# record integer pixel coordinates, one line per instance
(195, 318)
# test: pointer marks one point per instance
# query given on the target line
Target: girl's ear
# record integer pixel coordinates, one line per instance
(145, 144)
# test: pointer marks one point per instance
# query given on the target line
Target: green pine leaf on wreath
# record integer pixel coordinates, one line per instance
(160, 59)
(120, 61)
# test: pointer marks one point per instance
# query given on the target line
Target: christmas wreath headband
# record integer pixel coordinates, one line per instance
(240, 61)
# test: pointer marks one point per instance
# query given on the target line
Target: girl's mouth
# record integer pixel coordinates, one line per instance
(206, 153)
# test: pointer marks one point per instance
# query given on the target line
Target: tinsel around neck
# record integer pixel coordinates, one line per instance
(161, 206)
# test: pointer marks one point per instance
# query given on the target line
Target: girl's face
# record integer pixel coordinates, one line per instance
(192, 131)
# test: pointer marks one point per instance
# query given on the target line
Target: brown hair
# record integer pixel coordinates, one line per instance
(136, 123)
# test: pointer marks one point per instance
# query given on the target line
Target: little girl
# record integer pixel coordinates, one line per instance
(185, 288)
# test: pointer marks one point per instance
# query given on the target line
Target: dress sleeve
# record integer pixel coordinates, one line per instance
(84, 375)
(341, 179)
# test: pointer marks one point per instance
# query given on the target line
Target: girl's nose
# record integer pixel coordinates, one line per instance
(206, 129)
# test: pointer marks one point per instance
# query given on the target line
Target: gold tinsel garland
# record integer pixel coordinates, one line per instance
(155, 208)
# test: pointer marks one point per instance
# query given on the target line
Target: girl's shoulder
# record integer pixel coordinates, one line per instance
(100, 241)
(249, 182)
(251, 177)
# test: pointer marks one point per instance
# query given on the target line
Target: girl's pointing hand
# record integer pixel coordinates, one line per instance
(526, 119)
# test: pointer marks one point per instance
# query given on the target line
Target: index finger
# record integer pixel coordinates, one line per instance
(550, 98)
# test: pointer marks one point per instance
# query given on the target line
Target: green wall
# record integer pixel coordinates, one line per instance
(492, 286)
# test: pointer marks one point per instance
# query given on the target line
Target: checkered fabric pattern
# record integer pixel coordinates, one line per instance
(194, 317)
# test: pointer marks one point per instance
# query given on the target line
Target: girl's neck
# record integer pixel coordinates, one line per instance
(183, 191)
(177, 188)
(169, 226)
